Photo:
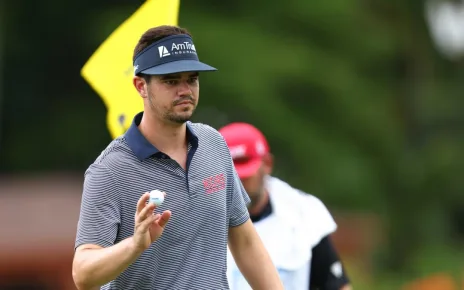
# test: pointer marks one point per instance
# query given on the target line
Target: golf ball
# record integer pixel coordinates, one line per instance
(156, 197)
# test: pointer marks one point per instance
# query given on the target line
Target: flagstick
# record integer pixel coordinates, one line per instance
(2, 25)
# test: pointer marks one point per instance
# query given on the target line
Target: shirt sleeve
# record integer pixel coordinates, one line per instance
(238, 198)
(99, 216)
(239, 201)
(327, 272)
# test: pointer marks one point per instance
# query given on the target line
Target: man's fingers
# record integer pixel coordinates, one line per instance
(147, 222)
(142, 202)
(164, 218)
(146, 212)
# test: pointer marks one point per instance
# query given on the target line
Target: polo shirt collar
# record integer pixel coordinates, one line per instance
(140, 145)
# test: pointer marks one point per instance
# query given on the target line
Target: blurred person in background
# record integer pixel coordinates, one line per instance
(294, 226)
(125, 242)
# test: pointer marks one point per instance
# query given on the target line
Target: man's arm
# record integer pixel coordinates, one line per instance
(252, 258)
(327, 271)
(245, 245)
(94, 266)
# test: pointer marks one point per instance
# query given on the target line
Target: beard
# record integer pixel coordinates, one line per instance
(257, 194)
(178, 118)
(256, 197)
(169, 114)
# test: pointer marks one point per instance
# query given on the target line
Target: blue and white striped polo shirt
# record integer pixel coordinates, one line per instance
(205, 200)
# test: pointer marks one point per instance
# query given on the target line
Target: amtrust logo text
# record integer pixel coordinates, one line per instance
(176, 48)
(183, 46)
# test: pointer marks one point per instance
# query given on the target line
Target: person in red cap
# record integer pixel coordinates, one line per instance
(301, 249)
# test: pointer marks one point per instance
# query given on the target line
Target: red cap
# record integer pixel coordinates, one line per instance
(247, 146)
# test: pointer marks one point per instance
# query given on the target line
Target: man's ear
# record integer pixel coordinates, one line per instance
(268, 163)
(141, 86)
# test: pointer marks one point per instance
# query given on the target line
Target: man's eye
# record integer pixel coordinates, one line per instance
(193, 80)
(171, 82)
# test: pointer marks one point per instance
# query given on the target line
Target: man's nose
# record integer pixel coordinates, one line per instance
(184, 89)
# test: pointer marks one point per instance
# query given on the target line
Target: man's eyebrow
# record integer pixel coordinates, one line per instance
(177, 76)
(170, 77)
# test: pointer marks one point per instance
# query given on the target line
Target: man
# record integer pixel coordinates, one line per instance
(301, 249)
(124, 242)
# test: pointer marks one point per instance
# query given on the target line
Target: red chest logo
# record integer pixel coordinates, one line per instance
(214, 183)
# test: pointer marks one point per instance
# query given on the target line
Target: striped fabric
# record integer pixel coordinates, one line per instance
(205, 200)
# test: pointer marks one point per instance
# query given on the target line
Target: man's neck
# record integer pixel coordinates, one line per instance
(165, 137)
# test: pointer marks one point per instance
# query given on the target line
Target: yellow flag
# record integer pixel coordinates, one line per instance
(109, 70)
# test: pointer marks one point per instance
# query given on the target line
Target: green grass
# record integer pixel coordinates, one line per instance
(426, 261)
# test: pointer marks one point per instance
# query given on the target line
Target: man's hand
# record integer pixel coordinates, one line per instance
(148, 226)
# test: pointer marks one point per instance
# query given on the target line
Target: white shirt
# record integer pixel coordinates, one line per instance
(297, 223)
